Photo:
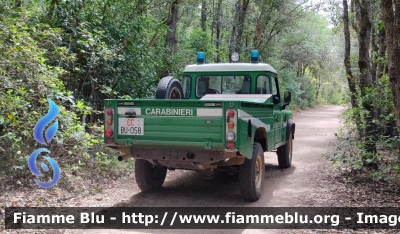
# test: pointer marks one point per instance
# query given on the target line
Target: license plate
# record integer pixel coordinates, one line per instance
(130, 126)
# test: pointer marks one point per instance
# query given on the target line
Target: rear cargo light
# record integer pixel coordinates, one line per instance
(109, 111)
(231, 125)
(109, 132)
(230, 136)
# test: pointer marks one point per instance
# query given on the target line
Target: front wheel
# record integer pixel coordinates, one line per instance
(251, 175)
(149, 178)
(284, 153)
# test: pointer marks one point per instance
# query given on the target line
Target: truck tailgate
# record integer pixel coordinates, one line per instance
(178, 123)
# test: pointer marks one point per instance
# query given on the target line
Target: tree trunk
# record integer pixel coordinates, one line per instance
(51, 9)
(172, 25)
(241, 21)
(235, 42)
(391, 19)
(347, 46)
(364, 40)
(374, 56)
(356, 18)
(203, 15)
(380, 67)
(213, 20)
(232, 42)
(318, 86)
(141, 7)
(381, 53)
(218, 41)
(364, 44)
(18, 3)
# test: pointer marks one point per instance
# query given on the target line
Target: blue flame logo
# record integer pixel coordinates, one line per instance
(42, 123)
(49, 135)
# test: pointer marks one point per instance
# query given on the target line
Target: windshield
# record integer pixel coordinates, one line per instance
(222, 85)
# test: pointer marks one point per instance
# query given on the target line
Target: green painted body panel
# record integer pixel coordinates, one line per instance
(174, 130)
(191, 124)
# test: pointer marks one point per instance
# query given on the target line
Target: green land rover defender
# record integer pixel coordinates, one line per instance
(222, 116)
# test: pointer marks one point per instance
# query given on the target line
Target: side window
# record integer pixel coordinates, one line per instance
(186, 85)
(262, 85)
(274, 89)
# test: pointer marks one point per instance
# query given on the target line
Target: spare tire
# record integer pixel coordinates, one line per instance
(169, 88)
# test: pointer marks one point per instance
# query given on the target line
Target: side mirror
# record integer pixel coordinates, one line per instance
(287, 98)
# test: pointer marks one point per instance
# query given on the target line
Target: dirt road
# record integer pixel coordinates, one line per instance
(304, 184)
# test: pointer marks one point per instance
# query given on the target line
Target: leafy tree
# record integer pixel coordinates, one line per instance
(391, 19)
(27, 80)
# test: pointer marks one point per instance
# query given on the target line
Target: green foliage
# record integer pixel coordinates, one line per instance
(308, 62)
(199, 41)
(352, 150)
(27, 80)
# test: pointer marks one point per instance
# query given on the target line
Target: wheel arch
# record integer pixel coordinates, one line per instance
(260, 136)
(291, 127)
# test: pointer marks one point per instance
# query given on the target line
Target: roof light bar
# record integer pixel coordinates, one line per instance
(201, 58)
(254, 56)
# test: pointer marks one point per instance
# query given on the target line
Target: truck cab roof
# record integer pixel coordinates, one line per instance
(229, 67)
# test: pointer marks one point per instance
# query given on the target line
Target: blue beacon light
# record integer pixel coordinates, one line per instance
(254, 56)
(201, 58)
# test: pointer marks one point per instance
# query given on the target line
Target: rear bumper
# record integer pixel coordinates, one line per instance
(195, 159)
(167, 144)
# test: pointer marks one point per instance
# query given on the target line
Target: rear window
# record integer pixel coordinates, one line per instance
(222, 85)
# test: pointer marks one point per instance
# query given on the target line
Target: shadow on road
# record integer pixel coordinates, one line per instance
(188, 188)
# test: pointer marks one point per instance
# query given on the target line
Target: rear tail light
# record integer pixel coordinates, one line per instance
(109, 132)
(109, 140)
(109, 125)
(231, 127)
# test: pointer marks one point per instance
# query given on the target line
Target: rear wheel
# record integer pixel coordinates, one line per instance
(149, 178)
(169, 88)
(251, 175)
